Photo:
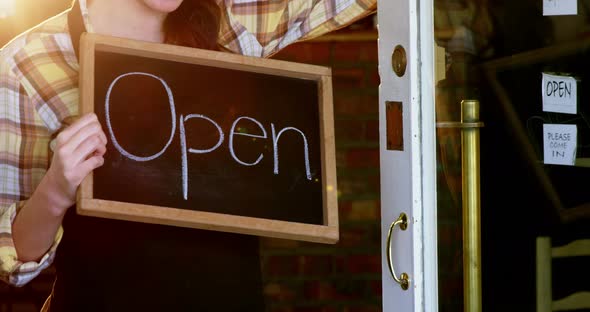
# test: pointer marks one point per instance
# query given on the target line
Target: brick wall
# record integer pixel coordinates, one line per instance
(345, 277)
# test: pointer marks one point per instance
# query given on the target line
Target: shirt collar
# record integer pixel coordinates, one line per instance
(78, 23)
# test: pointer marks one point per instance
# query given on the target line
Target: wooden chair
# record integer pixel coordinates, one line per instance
(545, 254)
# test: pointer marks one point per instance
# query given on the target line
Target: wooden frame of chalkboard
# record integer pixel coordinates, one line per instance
(96, 53)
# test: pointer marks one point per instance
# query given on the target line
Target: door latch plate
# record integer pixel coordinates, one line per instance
(395, 126)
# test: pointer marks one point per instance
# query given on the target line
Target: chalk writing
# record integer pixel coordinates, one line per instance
(110, 127)
(185, 150)
(275, 139)
(231, 140)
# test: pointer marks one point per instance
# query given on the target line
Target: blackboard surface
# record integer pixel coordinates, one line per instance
(141, 120)
(201, 137)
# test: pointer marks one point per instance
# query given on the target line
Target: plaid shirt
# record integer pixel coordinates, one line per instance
(39, 89)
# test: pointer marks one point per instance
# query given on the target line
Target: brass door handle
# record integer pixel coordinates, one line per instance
(404, 279)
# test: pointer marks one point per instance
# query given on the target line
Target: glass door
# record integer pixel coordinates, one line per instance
(527, 64)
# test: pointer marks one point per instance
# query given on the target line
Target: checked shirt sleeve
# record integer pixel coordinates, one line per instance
(262, 28)
(12, 270)
(24, 158)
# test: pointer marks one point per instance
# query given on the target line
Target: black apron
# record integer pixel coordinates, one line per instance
(109, 265)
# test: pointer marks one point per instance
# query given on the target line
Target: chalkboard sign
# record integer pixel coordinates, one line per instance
(210, 140)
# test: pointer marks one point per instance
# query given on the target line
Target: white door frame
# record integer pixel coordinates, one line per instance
(408, 177)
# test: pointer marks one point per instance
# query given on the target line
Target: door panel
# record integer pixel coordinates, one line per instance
(407, 173)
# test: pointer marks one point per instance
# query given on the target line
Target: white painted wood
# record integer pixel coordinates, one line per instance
(427, 82)
(408, 176)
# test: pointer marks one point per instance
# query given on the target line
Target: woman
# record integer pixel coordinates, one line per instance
(108, 265)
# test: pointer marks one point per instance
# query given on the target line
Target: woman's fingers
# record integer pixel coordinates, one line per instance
(101, 150)
(65, 135)
(90, 164)
(90, 130)
(91, 145)
(80, 141)
(79, 150)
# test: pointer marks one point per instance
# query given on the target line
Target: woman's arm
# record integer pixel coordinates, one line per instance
(79, 150)
(256, 28)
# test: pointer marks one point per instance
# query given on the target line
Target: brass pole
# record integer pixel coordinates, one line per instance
(471, 207)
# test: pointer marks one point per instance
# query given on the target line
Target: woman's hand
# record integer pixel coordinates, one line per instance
(79, 150)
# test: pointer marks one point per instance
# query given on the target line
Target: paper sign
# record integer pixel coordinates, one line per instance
(560, 7)
(559, 94)
(560, 142)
